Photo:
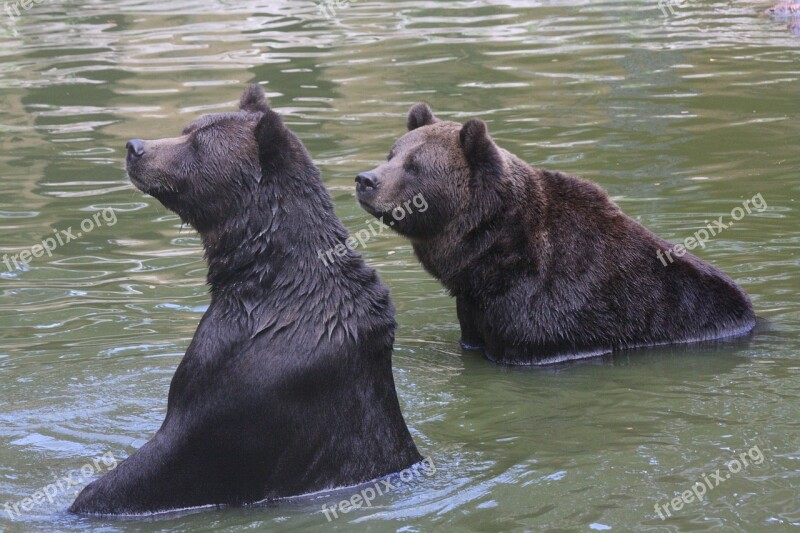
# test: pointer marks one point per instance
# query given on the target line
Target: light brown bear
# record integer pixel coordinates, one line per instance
(544, 267)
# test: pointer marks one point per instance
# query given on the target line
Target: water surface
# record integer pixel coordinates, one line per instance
(681, 118)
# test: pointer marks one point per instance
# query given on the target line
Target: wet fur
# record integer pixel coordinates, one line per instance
(286, 387)
(544, 267)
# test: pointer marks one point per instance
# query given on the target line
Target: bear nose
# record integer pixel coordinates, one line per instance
(135, 147)
(367, 180)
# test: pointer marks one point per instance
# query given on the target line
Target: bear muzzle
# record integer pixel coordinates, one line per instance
(134, 164)
(135, 148)
(366, 188)
(366, 181)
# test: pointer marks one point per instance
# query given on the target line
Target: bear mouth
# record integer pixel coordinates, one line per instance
(365, 200)
(135, 177)
(137, 182)
(146, 183)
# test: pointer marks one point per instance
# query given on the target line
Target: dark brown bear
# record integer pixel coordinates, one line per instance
(544, 267)
(286, 388)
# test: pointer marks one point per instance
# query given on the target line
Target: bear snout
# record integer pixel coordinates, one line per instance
(135, 148)
(366, 181)
(134, 163)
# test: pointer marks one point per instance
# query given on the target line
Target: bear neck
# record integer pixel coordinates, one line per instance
(275, 239)
(476, 250)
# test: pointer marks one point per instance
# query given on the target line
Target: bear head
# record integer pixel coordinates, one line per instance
(456, 169)
(220, 164)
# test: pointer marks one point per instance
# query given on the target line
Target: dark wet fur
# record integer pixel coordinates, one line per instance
(287, 386)
(544, 266)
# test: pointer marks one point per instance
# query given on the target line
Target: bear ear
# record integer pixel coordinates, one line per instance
(480, 150)
(254, 100)
(419, 116)
(274, 141)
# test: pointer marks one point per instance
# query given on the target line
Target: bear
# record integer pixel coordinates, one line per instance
(286, 388)
(544, 267)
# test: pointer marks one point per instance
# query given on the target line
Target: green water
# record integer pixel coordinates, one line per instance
(681, 118)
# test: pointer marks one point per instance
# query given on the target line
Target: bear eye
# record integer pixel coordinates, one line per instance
(412, 167)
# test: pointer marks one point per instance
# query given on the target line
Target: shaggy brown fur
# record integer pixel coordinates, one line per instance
(544, 267)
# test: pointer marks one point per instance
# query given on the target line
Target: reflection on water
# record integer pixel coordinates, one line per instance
(680, 118)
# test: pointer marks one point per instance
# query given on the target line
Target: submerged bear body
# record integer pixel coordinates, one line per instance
(286, 388)
(544, 267)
